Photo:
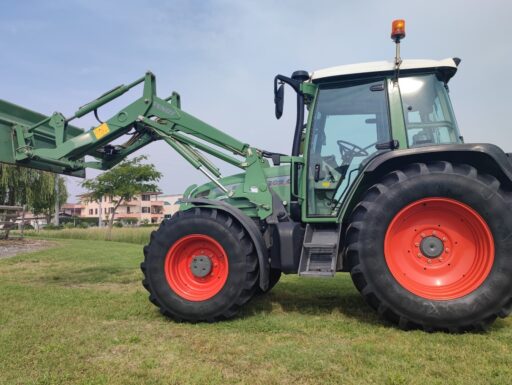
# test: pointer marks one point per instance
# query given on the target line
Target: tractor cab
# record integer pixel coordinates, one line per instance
(357, 112)
(362, 110)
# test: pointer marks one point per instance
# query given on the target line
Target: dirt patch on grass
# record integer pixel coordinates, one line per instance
(12, 247)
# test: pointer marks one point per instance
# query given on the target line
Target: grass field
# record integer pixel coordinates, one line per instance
(77, 314)
(138, 235)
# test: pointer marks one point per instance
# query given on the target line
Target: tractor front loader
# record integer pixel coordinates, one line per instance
(379, 183)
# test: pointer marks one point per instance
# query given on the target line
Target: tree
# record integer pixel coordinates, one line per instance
(43, 197)
(33, 188)
(122, 183)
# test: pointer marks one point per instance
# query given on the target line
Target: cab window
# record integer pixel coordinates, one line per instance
(349, 120)
(428, 114)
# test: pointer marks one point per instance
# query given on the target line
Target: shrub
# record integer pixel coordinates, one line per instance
(68, 220)
(93, 221)
(51, 226)
(130, 221)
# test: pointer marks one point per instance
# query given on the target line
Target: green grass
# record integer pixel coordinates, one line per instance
(137, 235)
(77, 314)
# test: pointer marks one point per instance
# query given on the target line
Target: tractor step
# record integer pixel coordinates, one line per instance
(319, 255)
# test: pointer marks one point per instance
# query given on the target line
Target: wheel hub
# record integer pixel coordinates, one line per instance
(432, 246)
(196, 267)
(200, 266)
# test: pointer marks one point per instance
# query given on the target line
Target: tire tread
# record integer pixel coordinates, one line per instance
(356, 223)
(252, 273)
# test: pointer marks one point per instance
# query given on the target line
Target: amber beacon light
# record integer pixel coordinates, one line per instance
(398, 29)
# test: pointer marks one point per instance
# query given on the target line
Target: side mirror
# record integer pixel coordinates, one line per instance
(295, 81)
(279, 100)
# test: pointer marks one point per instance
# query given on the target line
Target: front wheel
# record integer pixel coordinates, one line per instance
(200, 266)
(429, 247)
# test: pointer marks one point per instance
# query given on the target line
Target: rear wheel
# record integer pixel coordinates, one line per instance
(430, 247)
(200, 266)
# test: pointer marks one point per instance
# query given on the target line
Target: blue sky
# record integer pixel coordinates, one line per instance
(221, 56)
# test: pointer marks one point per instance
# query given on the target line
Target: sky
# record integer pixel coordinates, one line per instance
(222, 56)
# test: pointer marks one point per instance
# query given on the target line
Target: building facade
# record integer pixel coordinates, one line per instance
(171, 204)
(143, 208)
(150, 207)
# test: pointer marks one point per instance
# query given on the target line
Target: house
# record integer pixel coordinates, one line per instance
(143, 208)
(36, 221)
(72, 209)
(171, 204)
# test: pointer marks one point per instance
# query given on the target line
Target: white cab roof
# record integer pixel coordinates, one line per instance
(381, 66)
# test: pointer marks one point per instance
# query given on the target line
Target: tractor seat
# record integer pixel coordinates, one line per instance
(423, 138)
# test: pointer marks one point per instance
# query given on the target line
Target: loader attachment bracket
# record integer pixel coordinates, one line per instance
(14, 123)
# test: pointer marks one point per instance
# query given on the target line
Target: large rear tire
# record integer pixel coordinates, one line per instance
(429, 247)
(200, 266)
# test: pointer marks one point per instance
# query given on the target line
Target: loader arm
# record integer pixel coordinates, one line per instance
(51, 143)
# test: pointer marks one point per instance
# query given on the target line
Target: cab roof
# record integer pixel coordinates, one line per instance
(446, 67)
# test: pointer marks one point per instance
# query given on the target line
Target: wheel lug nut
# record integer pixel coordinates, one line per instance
(423, 235)
(447, 250)
(419, 255)
(417, 244)
(444, 239)
(429, 261)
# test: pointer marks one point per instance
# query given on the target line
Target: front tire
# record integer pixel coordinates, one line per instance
(200, 266)
(429, 247)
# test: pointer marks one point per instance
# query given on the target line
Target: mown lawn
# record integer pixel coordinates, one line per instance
(77, 314)
(138, 235)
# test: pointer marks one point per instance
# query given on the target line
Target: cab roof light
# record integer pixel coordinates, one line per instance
(398, 30)
(397, 33)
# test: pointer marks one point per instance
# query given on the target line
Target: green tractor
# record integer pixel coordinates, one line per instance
(379, 183)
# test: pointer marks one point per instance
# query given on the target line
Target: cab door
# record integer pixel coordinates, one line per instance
(349, 120)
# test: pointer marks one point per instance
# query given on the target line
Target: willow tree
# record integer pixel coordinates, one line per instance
(33, 188)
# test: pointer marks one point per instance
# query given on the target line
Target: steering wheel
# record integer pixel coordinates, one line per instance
(349, 151)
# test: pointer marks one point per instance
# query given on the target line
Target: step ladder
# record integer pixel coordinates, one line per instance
(319, 255)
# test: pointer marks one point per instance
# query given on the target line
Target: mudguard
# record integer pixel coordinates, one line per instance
(250, 227)
(482, 155)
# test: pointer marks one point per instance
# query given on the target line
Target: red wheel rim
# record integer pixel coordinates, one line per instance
(439, 248)
(183, 261)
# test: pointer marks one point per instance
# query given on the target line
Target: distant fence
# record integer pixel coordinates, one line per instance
(8, 220)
